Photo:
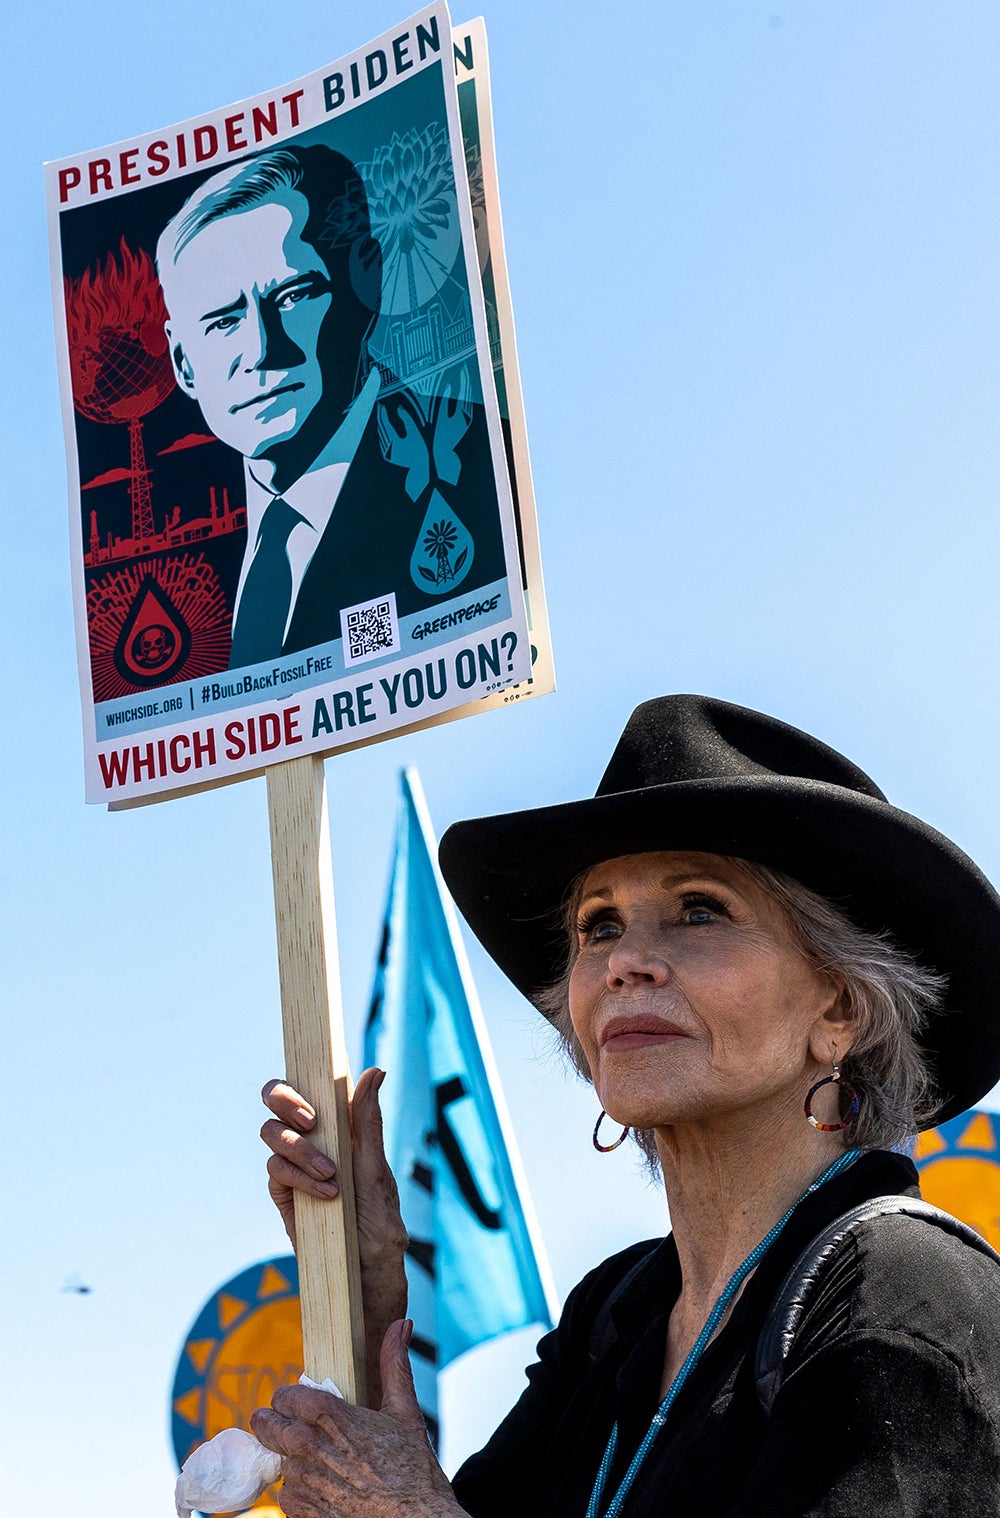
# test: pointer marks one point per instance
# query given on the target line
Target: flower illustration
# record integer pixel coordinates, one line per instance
(413, 210)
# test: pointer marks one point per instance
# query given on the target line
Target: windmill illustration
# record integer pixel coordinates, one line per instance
(439, 543)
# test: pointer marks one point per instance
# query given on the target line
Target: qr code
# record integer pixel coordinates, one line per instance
(370, 631)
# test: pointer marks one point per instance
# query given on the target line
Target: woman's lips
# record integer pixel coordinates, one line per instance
(623, 1033)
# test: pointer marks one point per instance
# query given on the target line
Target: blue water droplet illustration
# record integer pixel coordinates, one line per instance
(443, 553)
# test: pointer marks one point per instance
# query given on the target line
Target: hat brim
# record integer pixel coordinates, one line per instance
(884, 868)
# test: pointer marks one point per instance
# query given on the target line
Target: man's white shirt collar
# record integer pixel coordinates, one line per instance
(313, 495)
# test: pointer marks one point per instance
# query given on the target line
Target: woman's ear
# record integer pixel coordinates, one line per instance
(832, 1033)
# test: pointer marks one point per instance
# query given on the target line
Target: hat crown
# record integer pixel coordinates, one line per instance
(690, 738)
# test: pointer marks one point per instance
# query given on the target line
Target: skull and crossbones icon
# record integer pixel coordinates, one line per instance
(154, 646)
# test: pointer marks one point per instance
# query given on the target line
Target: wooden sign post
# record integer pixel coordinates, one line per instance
(316, 1065)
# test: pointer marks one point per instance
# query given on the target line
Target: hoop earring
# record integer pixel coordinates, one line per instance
(836, 1079)
(607, 1148)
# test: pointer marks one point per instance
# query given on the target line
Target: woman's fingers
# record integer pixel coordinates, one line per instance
(296, 1505)
(370, 1165)
(344, 1460)
(399, 1395)
(373, 1179)
(295, 1163)
(287, 1104)
(380, 1225)
(284, 1175)
(303, 1427)
(293, 1117)
(296, 1151)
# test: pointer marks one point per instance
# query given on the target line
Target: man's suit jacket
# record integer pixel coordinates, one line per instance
(366, 549)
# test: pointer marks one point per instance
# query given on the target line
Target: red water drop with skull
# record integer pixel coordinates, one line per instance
(154, 640)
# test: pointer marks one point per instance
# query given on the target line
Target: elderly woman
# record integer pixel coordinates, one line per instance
(773, 978)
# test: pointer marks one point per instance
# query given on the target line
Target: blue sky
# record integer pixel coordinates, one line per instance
(754, 256)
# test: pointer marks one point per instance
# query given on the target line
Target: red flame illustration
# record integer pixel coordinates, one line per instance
(118, 349)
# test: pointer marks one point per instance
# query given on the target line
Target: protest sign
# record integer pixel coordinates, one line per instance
(292, 522)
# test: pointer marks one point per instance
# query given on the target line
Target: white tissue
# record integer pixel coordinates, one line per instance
(229, 1472)
(225, 1474)
(327, 1385)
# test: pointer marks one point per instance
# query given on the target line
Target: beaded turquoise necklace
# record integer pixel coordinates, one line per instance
(714, 1318)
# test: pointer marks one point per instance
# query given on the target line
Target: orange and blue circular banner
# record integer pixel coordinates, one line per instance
(245, 1342)
(959, 1167)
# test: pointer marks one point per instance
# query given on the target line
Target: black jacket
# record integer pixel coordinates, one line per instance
(890, 1406)
(365, 551)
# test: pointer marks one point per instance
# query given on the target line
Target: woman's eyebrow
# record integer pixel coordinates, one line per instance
(696, 878)
(672, 881)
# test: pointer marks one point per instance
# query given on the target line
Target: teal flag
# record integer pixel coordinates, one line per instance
(475, 1264)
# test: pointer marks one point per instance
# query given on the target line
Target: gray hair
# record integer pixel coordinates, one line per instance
(338, 224)
(889, 995)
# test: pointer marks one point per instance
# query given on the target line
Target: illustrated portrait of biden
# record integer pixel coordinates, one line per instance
(268, 315)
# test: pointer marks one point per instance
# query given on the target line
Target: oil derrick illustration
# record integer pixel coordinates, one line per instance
(164, 619)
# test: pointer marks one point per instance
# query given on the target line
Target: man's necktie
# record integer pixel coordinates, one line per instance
(267, 590)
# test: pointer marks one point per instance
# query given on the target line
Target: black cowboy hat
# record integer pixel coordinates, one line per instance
(693, 773)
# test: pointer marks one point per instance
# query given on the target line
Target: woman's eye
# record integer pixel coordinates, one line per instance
(597, 929)
(699, 911)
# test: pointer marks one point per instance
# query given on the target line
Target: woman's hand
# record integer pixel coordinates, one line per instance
(340, 1461)
(296, 1164)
